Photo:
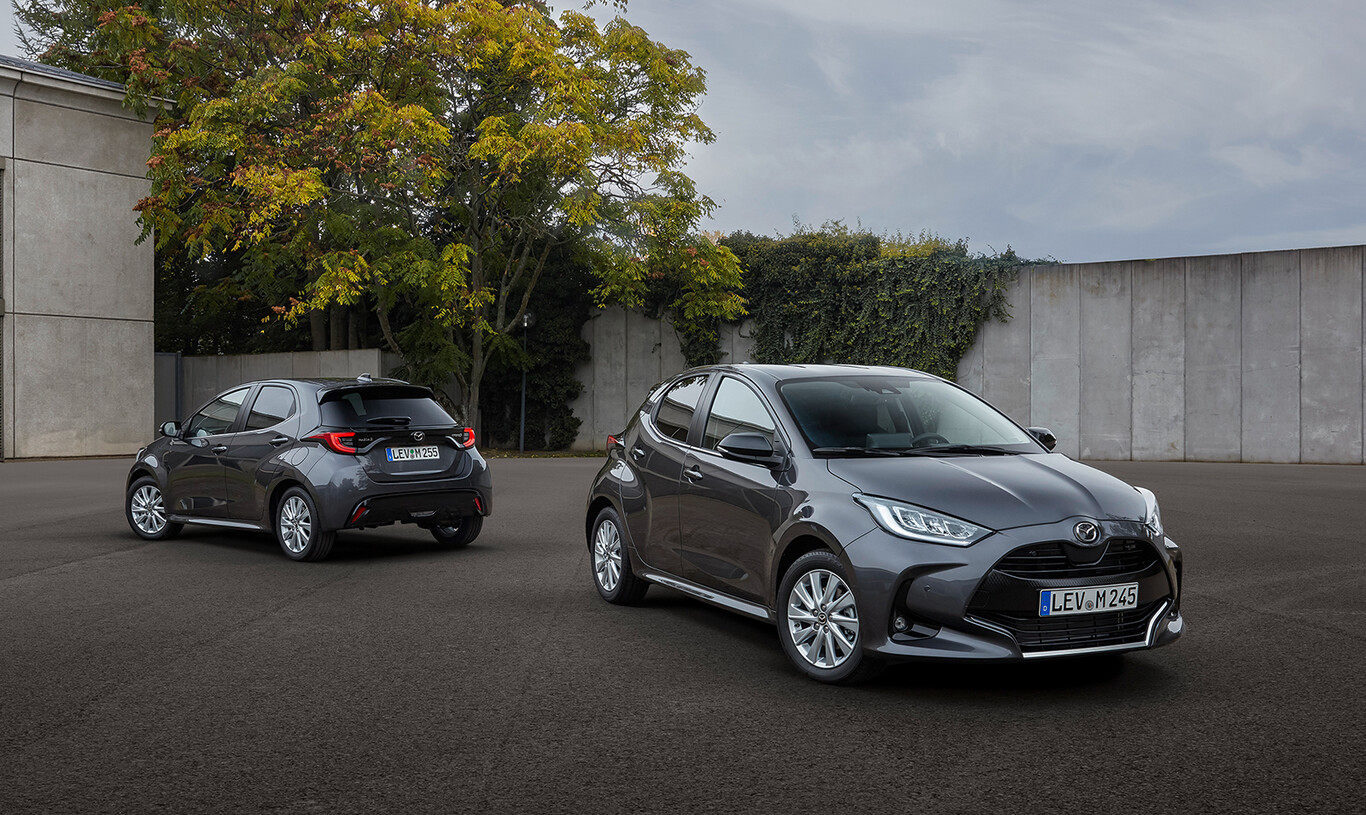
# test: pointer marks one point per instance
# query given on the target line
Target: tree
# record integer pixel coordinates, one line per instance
(424, 159)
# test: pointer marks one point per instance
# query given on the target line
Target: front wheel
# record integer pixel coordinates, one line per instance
(461, 535)
(298, 527)
(818, 621)
(145, 507)
(612, 563)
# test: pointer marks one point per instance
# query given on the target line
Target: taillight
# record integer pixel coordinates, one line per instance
(464, 437)
(337, 442)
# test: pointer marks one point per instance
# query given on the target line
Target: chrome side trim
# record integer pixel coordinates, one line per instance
(707, 595)
(186, 519)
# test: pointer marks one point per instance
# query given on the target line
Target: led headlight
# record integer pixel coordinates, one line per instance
(1152, 516)
(916, 523)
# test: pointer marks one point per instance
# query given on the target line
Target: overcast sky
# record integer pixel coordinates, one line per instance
(1076, 130)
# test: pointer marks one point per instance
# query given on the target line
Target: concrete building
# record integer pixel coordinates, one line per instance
(76, 304)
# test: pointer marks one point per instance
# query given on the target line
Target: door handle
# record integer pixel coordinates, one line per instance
(219, 448)
(692, 473)
(279, 440)
(637, 453)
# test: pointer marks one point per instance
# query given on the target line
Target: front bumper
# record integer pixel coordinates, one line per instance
(973, 603)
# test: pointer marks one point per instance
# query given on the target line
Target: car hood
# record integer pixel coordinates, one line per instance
(999, 492)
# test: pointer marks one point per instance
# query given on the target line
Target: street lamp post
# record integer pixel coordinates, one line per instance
(527, 320)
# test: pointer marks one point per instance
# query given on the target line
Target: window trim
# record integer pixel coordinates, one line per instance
(763, 403)
(261, 389)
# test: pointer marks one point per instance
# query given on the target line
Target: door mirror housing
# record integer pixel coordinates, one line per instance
(1045, 437)
(170, 429)
(754, 448)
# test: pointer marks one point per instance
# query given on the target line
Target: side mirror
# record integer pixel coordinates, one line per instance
(753, 448)
(170, 429)
(1045, 437)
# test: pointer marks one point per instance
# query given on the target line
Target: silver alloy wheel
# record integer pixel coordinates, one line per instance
(296, 524)
(607, 555)
(148, 512)
(822, 619)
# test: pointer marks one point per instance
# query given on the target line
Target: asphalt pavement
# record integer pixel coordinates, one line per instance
(211, 674)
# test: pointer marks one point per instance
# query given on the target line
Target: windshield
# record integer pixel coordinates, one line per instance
(894, 414)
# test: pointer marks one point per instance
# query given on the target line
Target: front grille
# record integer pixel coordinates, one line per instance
(1049, 561)
(1008, 597)
(1035, 633)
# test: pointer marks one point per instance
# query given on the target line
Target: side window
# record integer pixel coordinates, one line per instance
(736, 409)
(676, 409)
(217, 416)
(273, 405)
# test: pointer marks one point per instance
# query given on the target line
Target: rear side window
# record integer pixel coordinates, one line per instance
(736, 409)
(676, 409)
(273, 405)
(383, 407)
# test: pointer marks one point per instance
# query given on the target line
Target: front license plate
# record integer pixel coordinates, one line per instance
(1090, 600)
(412, 453)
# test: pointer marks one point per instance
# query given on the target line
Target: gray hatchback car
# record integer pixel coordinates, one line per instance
(876, 515)
(303, 458)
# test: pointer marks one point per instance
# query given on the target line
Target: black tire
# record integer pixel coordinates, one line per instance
(610, 563)
(458, 537)
(145, 508)
(826, 644)
(298, 527)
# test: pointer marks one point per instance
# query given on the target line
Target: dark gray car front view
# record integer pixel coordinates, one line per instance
(303, 458)
(877, 515)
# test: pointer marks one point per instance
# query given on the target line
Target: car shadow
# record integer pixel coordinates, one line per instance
(350, 545)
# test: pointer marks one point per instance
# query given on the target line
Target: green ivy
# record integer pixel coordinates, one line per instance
(838, 296)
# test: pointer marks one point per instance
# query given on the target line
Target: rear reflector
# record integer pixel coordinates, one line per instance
(337, 442)
(356, 516)
(478, 505)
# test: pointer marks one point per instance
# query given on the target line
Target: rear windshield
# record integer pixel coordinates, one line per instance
(383, 407)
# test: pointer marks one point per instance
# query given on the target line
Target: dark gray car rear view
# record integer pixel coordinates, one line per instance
(303, 458)
(877, 515)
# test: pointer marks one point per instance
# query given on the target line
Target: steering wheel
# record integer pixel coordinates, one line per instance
(928, 437)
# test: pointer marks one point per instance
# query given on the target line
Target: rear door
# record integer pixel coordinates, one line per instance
(400, 433)
(250, 463)
(195, 484)
(655, 453)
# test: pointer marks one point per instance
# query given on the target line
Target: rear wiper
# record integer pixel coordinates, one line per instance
(389, 420)
(855, 451)
(978, 449)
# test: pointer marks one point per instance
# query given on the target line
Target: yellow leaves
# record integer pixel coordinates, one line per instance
(273, 190)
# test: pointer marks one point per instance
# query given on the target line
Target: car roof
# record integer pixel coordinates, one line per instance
(783, 373)
(323, 383)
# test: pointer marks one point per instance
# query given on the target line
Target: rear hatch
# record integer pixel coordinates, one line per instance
(399, 432)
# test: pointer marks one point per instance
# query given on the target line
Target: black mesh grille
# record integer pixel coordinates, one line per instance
(1049, 561)
(1035, 633)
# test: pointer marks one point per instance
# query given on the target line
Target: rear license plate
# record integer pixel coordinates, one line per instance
(1090, 600)
(412, 453)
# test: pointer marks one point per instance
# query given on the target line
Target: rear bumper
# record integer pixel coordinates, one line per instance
(345, 489)
(439, 508)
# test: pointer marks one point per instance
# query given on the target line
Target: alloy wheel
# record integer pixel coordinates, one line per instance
(822, 619)
(607, 555)
(296, 524)
(147, 509)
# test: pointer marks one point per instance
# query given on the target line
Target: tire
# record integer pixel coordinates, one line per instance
(610, 563)
(145, 508)
(458, 537)
(298, 527)
(819, 624)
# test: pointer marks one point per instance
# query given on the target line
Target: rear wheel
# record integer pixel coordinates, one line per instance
(298, 527)
(612, 564)
(145, 509)
(819, 624)
(461, 535)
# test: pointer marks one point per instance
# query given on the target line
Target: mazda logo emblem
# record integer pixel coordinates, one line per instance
(1086, 532)
(418, 435)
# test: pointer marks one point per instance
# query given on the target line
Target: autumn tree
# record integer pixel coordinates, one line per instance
(419, 158)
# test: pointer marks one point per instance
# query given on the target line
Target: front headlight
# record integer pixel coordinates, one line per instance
(1152, 516)
(917, 523)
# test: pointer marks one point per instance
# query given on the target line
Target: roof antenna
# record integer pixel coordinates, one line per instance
(365, 377)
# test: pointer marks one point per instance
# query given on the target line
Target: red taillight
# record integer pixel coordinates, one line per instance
(612, 441)
(337, 442)
(464, 437)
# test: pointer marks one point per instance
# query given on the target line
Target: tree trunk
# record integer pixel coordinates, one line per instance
(318, 328)
(338, 328)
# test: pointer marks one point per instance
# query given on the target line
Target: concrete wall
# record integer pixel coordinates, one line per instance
(1254, 357)
(202, 378)
(76, 373)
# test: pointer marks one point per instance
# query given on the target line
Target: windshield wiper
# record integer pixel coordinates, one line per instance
(968, 449)
(855, 451)
(395, 420)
